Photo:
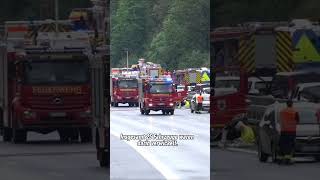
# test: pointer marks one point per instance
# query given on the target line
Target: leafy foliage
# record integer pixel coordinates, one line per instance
(229, 12)
(173, 33)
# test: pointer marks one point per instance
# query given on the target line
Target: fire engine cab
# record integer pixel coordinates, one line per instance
(124, 90)
(43, 95)
(157, 94)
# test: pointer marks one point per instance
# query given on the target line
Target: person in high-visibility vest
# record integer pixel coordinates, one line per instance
(187, 104)
(199, 102)
(247, 134)
(239, 124)
(289, 118)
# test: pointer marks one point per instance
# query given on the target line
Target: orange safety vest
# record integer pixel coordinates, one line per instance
(200, 99)
(289, 119)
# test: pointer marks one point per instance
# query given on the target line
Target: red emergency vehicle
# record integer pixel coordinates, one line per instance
(157, 94)
(225, 106)
(124, 90)
(41, 94)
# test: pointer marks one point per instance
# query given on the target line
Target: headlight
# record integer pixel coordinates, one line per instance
(85, 114)
(171, 104)
(29, 114)
(150, 104)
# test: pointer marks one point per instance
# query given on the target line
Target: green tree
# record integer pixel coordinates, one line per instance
(184, 30)
(129, 29)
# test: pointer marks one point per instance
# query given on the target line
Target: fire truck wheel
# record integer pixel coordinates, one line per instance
(7, 134)
(63, 135)
(19, 136)
(104, 159)
(116, 104)
(147, 112)
(172, 112)
(163, 112)
(74, 134)
(86, 135)
(137, 104)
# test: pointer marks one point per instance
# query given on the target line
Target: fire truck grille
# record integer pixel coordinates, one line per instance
(160, 99)
(67, 102)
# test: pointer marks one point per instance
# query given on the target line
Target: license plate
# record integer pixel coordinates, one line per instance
(58, 114)
(161, 103)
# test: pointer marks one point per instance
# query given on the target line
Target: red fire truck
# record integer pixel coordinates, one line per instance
(157, 94)
(226, 104)
(124, 90)
(100, 70)
(41, 94)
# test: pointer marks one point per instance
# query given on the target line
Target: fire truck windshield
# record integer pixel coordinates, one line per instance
(128, 83)
(56, 72)
(227, 84)
(157, 88)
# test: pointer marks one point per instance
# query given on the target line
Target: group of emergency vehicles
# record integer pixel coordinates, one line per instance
(288, 50)
(151, 88)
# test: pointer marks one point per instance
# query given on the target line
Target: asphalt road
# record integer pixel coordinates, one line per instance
(227, 165)
(45, 158)
(190, 159)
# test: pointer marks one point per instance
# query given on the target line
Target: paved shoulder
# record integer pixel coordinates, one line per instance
(49, 161)
(226, 165)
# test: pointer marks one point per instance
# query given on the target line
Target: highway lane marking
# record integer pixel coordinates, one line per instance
(162, 168)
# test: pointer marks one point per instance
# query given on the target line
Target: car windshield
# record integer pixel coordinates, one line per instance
(206, 90)
(128, 83)
(261, 85)
(227, 84)
(157, 88)
(315, 90)
(57, 72)
(206, 98)
(307, 116)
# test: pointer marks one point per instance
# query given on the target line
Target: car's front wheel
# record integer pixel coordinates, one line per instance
(317, 157)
